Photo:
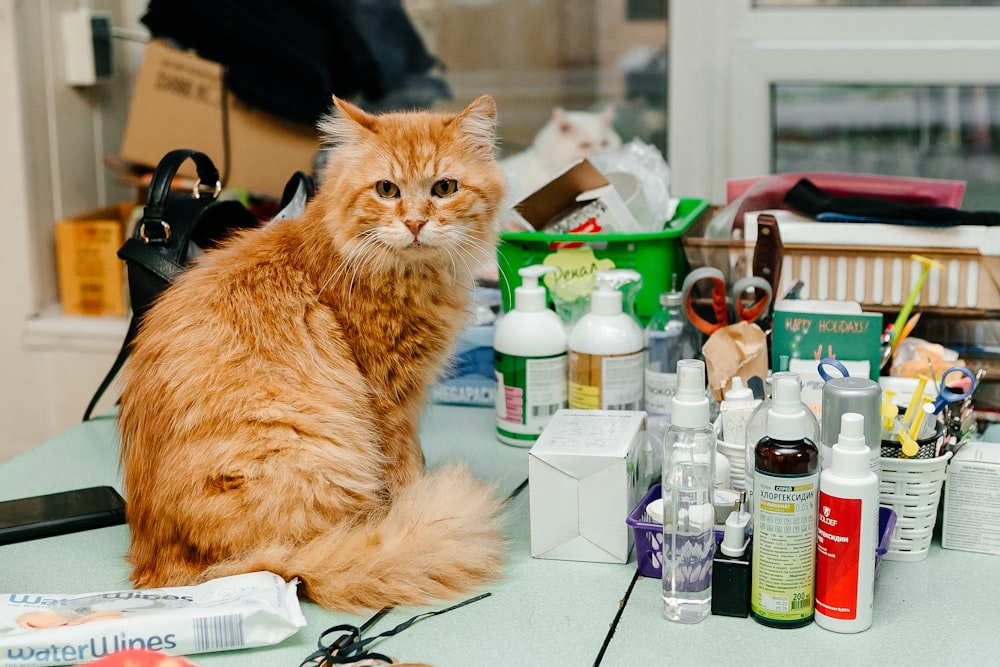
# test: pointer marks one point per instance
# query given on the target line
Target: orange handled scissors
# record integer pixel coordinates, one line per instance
(721, 303)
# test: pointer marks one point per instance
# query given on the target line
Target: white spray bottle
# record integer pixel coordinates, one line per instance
(530, 362)
(847, 533)
(607, 350)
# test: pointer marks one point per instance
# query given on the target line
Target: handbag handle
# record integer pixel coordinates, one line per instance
(159, 190)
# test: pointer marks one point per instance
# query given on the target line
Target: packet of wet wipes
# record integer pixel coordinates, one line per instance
(243, 611)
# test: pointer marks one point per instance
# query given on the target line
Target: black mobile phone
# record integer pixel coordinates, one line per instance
(60, 513)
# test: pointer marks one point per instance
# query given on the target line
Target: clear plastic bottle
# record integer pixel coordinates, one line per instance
(688, 484)
(670, 337)
(786, 483)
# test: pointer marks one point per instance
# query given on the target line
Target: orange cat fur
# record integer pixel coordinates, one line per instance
(270, 407)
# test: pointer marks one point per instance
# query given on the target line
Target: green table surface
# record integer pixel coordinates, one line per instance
(940, 611)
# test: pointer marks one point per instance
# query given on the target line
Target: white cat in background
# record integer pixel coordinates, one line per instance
(567, 137)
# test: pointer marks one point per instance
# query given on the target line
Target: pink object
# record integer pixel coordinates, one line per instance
(141, 658)
(766, 192)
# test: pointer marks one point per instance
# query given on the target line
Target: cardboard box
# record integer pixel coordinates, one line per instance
(971, 519)
(572, 198)
(586, 473)
(91, 277)
(178, 104)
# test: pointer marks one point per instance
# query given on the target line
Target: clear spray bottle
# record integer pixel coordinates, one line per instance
(689, 515)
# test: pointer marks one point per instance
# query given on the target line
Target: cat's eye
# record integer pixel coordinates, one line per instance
(445, 187)
(387, 189)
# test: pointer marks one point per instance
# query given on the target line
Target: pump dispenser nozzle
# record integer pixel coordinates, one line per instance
(690, 403)
(530, 296)
(786, 419)
(607, 299)
(850, 453)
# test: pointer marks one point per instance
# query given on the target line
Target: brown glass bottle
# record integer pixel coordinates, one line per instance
(800, 457)
(786, 484)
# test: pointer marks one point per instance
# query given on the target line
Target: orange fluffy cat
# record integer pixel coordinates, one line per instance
(270, 406)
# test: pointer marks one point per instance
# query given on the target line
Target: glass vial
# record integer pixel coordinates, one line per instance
(670, 337)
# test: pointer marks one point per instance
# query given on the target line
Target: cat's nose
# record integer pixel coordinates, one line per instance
(415, 226)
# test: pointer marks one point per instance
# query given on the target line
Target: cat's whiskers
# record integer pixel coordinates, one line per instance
(503, 274)
(353, 261)
(368, 255)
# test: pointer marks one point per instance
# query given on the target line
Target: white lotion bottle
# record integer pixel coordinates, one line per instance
(607, 352)
(529, 362)
(847, 533)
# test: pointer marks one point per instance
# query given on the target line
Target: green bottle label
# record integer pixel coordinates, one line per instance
(529, 391)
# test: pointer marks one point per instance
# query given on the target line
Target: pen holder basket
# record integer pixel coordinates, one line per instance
(927, 448)
(912, 488)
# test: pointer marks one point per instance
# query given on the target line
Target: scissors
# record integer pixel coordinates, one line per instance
(720, 304)
(947, 395)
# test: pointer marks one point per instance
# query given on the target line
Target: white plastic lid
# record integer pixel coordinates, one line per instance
(700, 517)
(850, 452)
(738, 393)
(786, 420)
(530, 296)
(690, 403)
(655, 510)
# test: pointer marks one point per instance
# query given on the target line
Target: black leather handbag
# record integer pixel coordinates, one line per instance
(175, 227)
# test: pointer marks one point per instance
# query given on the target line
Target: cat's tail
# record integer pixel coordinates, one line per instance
(441, 538)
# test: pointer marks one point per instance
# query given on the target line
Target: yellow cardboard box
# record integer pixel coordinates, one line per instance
(91, 277)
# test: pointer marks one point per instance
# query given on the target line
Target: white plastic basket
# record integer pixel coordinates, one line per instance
(912, 487)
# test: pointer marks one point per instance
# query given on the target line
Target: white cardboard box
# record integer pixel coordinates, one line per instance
(972, 499)
(585, 474)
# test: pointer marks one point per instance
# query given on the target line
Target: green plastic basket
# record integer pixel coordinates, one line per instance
(655, 255)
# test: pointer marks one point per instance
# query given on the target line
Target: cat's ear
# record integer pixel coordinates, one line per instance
(345, 123)
(608, 114)
(479, 121)
(561, 120)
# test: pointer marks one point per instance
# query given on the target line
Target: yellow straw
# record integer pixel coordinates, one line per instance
(904, 312)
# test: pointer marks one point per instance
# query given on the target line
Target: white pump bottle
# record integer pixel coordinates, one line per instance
(847, 533)
(530, 362)
(607, 351)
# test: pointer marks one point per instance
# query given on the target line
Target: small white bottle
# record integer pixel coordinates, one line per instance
(607, 352)
(687, 489)
(530, 363)
(847, 533)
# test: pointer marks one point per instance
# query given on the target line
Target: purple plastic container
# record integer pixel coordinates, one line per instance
(649, 536)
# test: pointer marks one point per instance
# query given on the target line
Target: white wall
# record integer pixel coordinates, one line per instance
(55, 139)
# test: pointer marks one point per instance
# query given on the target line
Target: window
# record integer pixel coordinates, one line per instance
(902, 90)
